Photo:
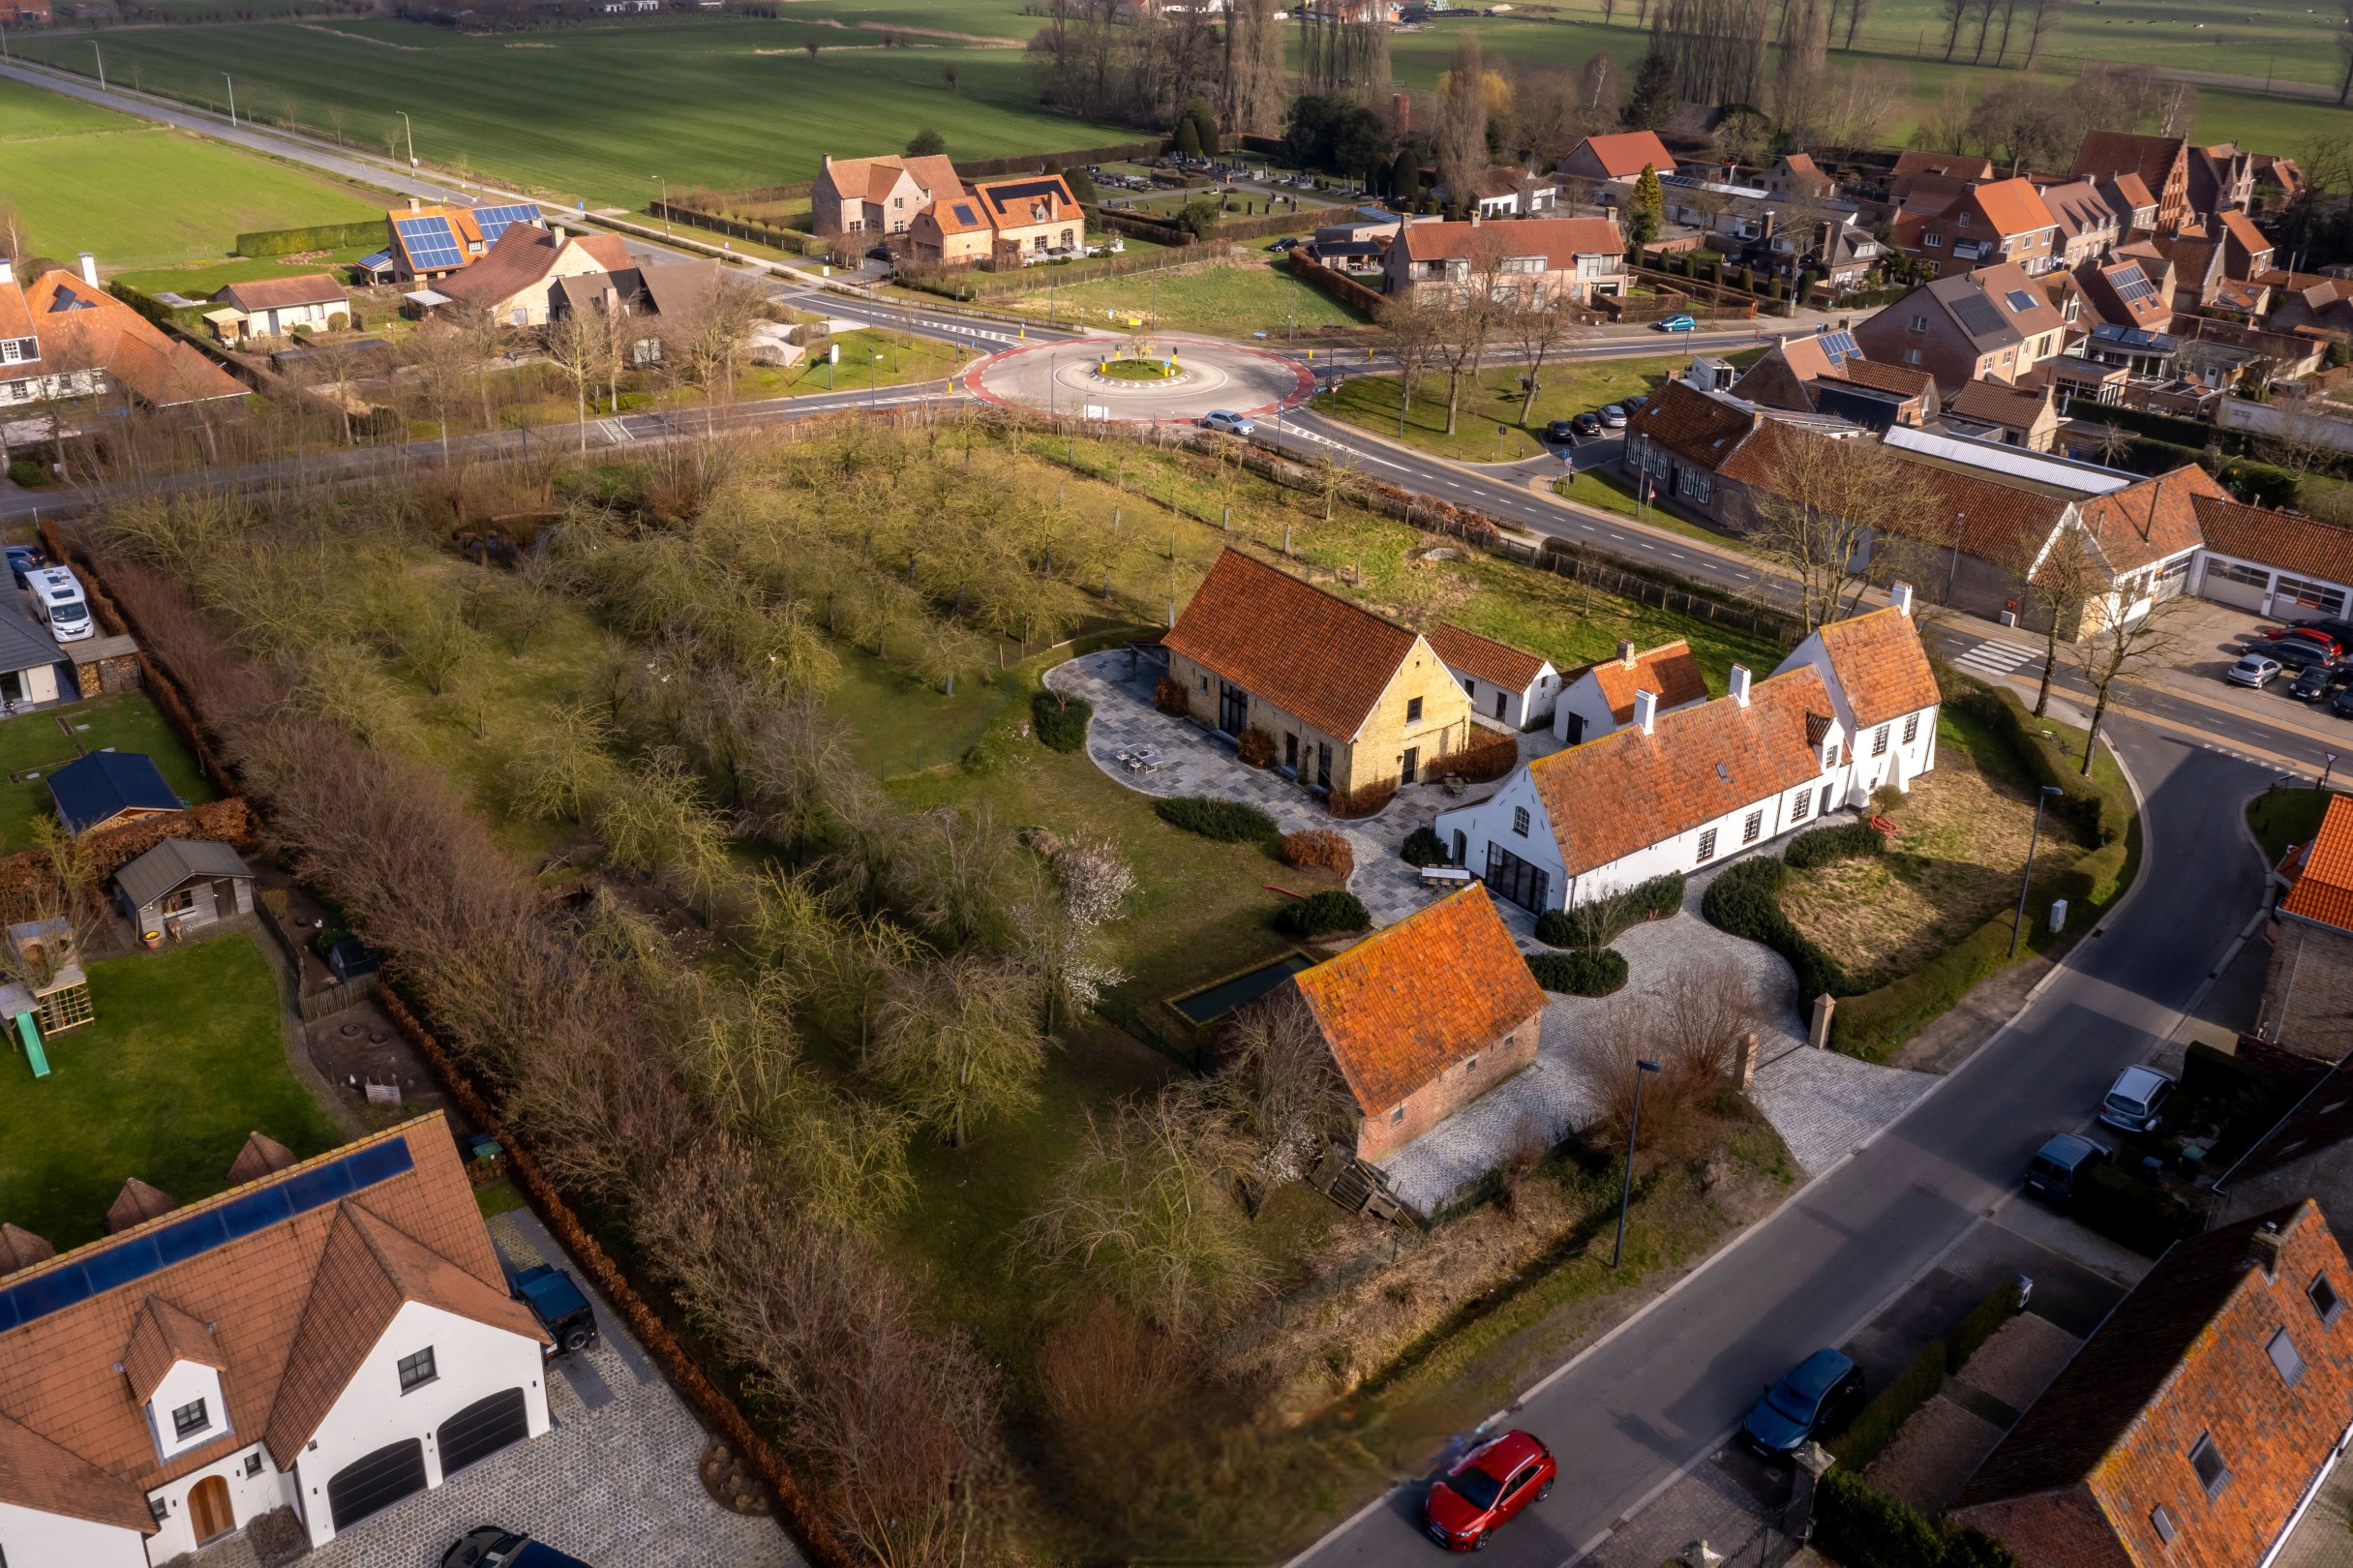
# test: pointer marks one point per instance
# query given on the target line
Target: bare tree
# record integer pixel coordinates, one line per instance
(1460, 140)
(581, 344)
(959, 1043)
(1537, 328)
(2042, 16)
(2066, 574)
(1833, 513)
(439, 359)
(1416, 324)
(1277, 1093)
(2121, 645)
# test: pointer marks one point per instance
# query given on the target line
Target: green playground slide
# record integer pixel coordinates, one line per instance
(32, 1044)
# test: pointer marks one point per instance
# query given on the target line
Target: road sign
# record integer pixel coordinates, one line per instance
(834, 353)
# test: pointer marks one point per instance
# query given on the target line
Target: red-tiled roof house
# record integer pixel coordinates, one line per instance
(1506, 685)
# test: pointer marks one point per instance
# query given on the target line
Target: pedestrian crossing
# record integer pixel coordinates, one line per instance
(1994, 660)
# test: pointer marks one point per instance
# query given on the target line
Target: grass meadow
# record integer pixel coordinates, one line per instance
(136, 194)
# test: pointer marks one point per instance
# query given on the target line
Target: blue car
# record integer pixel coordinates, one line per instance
(493, 1546)
(556, 1302)
(1820, 1397)
(1679, 323)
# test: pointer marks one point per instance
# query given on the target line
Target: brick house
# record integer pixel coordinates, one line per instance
(1032, 218)
(1530, 259)
(89, 344)
(1600, 700)
(2008, 415)
(1919, 168)
(331, 1336)
(518, 281)
(2247, 251)
(2089, 225)
(2222, 179)
(2161, 164)
(2197, 1422)
(2124, 296)
(1424, 1016)
(1991, 324)
(877, 195)
(951, 233)
(1618, 158)
(1506, 685)
(1352, 700)
(2135, 207)
(1978, 225)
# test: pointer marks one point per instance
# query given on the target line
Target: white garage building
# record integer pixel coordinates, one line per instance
(2274, 564)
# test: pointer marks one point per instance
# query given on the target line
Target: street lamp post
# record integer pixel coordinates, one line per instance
(665, 202)
(102, 64)
(409, 131)
(232, 98)
(1625, 1192)
(2027, 876)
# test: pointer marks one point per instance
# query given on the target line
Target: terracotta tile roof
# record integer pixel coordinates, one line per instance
(1413, 999)
(525, 255)
(2078, 208)
(1953, 166)
(39, 1475)
(1882, 669)
(137, 1204)
(1691, 425)
(20, 1249)
(277, 293)
(1624, 154)
(1558, 240)
(461, 223)
(2305, 546)
(2323, 890)
(1997, 405)
(15, 321)
(1313, 654)
(162, 1337)
(1698, 764)
(2231, 294)
(1670, 670)
(955, 215)
(2014, 207)
(1498, 664)
(1995, 521)
(1903, 380)
(86, 328)
(870, 179)
(57, 1373)
(2121, 152)
(1017, 204)
(2151, 521)
(261, 1155)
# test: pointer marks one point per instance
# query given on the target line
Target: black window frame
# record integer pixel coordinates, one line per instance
(1413, 711)
(417, 1369)
(1753, 828)
(2321, 1287)
(1707, 847)
(1520, 821)
(2206, 1456)
(183, 1427)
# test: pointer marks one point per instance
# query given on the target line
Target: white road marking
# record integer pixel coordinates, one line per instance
(1994, 659)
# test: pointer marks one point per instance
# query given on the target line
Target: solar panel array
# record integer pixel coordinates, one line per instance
(494, 221)
(151, 1252)
(430, 242)
(1977, 315)
(964, 214)
(2132, 286)
(1838, 347)
(377, 261)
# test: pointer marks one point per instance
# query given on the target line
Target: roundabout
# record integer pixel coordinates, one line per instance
(1140, 380)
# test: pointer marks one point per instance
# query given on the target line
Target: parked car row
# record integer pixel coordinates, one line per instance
(1594, 422)
(2313, 653)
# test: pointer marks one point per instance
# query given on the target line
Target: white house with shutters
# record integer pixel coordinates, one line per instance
(1853, 708)
(332, 1336)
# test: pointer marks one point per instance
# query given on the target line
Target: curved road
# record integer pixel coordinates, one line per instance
(1665, 1390)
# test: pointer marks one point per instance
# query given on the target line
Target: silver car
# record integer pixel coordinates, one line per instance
(1614, 417)
(2137, 1100)
(2254, 669)
(1233, 424)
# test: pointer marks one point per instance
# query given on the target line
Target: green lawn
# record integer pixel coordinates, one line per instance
(185, 1058)
(201, 280)
(1493, 398)
(136, 194)
(40, 743)
(1237, 301)
(2286, 816)
(720, 103)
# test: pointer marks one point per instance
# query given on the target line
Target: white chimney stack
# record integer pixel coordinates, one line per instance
(8, 270)
(1646, 711)
(1739, 684)
(1900, 596)
(89, 269)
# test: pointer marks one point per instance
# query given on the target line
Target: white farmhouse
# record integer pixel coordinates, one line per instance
(1853, 708)
(1507, 685)
(332, 1337)
(1600, 700)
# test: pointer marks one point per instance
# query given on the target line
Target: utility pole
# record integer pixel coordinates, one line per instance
(102, 64)
(410, 131)
(232, 98)
(2026, 878)
(665, 202)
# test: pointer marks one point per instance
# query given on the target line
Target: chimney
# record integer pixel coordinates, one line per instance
(1646, 711)
(413, 204)
(8, 270)
(2263, 1248)
(1474, 214)
(1738, 690)
(1626, 655)
(556, 234)
(1402, 106)
(1900, 597)
(89, 269)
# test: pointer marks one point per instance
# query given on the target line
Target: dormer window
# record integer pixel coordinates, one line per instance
(188, 1419)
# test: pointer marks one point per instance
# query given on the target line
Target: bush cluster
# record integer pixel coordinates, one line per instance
(1229, 822)
(1489, 755)
(1866, 1529)
(1741, 901)
(1580, 970)
(1423, 847)
(1323, 913)
(314, 237)
(1253, 747)
(1169, 698)
(1820, 846)
(1599, 922)
(2132, 1213)
(1319, 849)
(1061, 722)
(29, 473)
(1364, 802)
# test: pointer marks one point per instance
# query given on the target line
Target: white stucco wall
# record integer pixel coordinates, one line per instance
(250, 1497)
(35, 1540)
(471, 1361)
(1522, 708)
(187, 1382)
(1903, 762)
(1491, 822)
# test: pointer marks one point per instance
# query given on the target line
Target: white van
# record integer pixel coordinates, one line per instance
(58, 604)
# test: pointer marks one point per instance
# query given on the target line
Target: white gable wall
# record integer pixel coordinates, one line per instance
(29, 1539)
(250, 1497)
(471, 1361)
(187, 1382)
(1490, 822)
(1902, 762)
(1582, 698)
(1521, 708)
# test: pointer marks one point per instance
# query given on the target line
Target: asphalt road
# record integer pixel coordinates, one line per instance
(1661, 1393)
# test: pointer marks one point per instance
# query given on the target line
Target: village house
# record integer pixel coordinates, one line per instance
(63, 338)
(1424, 1016)
(2088, 228)
(426, 243)
(2009, 415)
(2162, 164)
(274, 307)
(1618, 158)
(1978, 225)
(1506, 684)
(1991, 324)
(2196, 1423)
(1506, 191)
(1033, 216)
(332, 1338)
(1826, 372)
(1599, 700)
(2135, 207)
(877, 195)
(1352, 702)
(2122, 294)
(1919, 168)
(650, 300)
(1683, 789)
(1797, 174)
(1533, 261)
(2222, 180)
(2307, 988)
(515, 285)
(2277, 564)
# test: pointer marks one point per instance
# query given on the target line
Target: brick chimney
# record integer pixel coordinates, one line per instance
(1626, 655)
(1647, 711)
(2263, 1250)
(1739, 691)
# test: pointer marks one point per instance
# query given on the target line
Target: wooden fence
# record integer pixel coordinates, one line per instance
(1338, 287)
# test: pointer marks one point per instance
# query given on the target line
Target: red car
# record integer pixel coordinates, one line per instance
(1485, 1487)
(2313, 635)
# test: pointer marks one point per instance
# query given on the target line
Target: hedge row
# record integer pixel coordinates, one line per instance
(2132, 1213)
(1893, 1405)
(313, 237)
(1866, 1529)
(1741, 901)
(1338, 287)
(1229, 822)
(1580, 972)
(1321, 914)
(1599, 922)
(2102, 811)
(1820, 846)
(1061, 722)
(1489, 755)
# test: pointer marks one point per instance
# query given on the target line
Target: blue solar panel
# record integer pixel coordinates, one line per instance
(429, 241)
(149, 1254)
(376, 262)
(494, 220)
(1839, 347)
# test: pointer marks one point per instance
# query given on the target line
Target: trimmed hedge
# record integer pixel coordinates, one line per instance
(1423, 847)
(1983, 1322)
(1228, 821)
(1600, 922)
(1323, 913)
(1893, 1405)
(1741, 900)
(314, 237)
(1580, 972)
(2132, 1213)
(1866, 1529)
(1820, 846)
(2102, 813)
(1061, 722)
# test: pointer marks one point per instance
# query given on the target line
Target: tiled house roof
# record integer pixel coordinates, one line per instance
(2013, 207)
(1696, 765)
(1558, 240)
(1953, 166)
(525, 255)
(1498, 664)
(40, 1474)
(1622, 155)
(2306, 546)
(162, 1336)
(82, 328)
(1691, 425)
(1901, 379)
(1670, 670)
(20, 1249)
(1880, 664)
(1994, 403)
(2151, 521)
(1413, 999)
(137, 1204)
(2114, 152)
(261, 1155)
(1311, 654)
(277, 293)
(2323, 890)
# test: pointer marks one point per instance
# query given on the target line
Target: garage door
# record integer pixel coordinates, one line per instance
(482, 1429)
(2229, 582)
(370, 1485)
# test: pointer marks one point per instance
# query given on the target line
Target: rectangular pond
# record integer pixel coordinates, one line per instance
(1216, 1000)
